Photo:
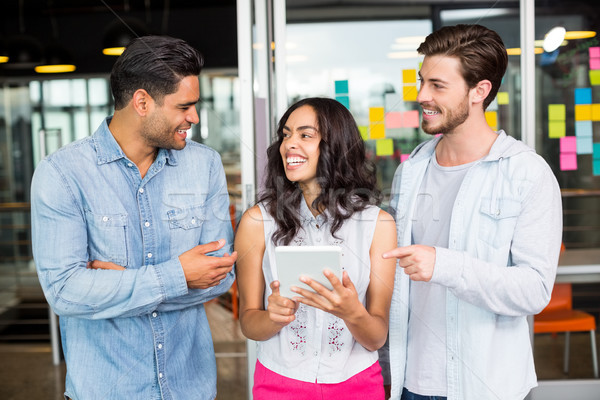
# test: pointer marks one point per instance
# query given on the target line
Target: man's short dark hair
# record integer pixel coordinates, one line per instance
(481, 52)
(156, 64)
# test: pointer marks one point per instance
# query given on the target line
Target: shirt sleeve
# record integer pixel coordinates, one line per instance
(217, 225)
(59, 238)
(524, 287)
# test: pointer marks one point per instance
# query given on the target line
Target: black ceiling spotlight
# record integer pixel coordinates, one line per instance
(24, 52)
(3, 51)
(57, 59)
(119, 33)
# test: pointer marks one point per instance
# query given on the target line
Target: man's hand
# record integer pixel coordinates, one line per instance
(202, 271)
(417, 260)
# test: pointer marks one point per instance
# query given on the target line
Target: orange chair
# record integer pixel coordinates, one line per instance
(559, 316)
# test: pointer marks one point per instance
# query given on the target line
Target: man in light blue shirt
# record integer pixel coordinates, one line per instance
(132, 235)
(479, 221)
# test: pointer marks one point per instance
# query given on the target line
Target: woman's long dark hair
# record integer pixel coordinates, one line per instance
(346, 178)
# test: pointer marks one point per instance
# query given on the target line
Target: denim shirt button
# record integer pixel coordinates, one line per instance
(149, 255)
(105, 218)
(146, 224)
(129, 165)
(160, 375)
(154, 314)
(160, 346)
(141, 190)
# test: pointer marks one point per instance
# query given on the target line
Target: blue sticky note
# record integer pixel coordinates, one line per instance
(345, 100)
(583, 128)
(584, 145)
(583, 96)
(596, 167)
(596, 151)
(341, 87)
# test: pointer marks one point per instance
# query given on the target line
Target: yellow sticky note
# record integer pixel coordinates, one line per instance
(595, 77)
(595, 112)
(556, 112)
(409, 76)
(583, 112)
(376, 114)
(492, 119)
(364, 132)
(557, 129)
(502, 98)
(409, 93)
(384, 147)
(376, 131)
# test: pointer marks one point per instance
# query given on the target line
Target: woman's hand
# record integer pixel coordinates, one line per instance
(342, 301)
(281, 309)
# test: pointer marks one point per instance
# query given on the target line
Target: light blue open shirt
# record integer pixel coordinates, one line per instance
(139, 333)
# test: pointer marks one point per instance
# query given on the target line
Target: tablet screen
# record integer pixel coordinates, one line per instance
(295, 261)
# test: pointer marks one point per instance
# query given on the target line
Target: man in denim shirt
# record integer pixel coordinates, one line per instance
(479, 222)
(131, 236)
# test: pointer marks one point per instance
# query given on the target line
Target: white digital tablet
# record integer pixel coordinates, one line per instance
(310, 261)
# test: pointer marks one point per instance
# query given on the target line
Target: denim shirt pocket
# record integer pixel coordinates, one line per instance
(184, 226)
(497, 222)
(107, 237)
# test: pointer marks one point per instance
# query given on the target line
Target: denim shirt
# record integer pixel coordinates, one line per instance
(138, 333)
(500, 266)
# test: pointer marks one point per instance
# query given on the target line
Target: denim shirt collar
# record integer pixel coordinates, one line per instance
(108, 150)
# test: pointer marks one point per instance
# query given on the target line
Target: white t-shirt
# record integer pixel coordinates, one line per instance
(317, 346)
(426, 355)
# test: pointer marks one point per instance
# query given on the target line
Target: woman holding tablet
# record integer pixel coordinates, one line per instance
(320, 190)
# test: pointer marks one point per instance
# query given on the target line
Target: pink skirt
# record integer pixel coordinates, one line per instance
(269, 385)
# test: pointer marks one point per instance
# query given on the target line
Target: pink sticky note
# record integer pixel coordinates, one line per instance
(404, 157)
(410, 119)
(594, 52)
(568, 161)
(568, 144)
(393, 119)
(594, 63)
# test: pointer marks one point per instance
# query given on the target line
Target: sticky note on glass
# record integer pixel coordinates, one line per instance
(492, 119)
(583, 96)
(393, 119)
(393, 101)
(583, 128)
(583, 112)
(595, 77)
(345, 100)
(556, 112)
(584, 145)
(568, 144)
(341, 87)
(384, 147)
(404, 157)
(568, 161)
(595, 63)
(409, 76)
(410, 119)
(409, 93)
(596, 167)
(595, 112)
(596, 151)
(594, 52)
(376, 131)
(556, 129)
(502, 98)
(364, 132)
(376, 114)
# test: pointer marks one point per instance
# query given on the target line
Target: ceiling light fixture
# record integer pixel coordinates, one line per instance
(57, 59)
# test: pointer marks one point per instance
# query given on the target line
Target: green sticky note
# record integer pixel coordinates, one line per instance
(556, 112)
(556, 129)
(384, 147)
(595, 77)
(364, 132)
